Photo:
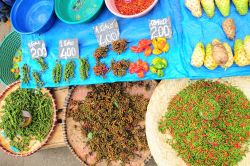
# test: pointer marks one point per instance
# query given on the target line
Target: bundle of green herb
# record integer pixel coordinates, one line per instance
(42, 64)
(25, 76)
(39, 105)
(84, 68)
(69, 71)
(57, 73)
(37, 78)
(112, 119)
(209, 123)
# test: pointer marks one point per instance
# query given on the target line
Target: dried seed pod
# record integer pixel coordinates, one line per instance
(101, 52)
(100, 69)
(119, 46)
(229, 28)
(120, 68)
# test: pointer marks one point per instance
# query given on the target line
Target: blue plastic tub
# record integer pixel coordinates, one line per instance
(32, 16)
(9, 2)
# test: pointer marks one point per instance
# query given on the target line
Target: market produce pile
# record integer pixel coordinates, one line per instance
(38, 105)
(128, 7)
(209, 124)
(113, 122)
(195, 6)
(220, 54)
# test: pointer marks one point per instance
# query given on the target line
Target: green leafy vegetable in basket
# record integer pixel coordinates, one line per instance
(57, 73)
(69, 71)
(42, 64)
(84, 68)
(26, 72)
(39, 105)
(209, 124)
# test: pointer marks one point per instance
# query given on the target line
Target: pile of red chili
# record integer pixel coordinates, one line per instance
(209, 123)
(132, 7)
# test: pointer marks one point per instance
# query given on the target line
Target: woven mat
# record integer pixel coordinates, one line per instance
(163, 154)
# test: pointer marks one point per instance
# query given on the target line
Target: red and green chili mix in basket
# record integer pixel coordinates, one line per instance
(209, 123)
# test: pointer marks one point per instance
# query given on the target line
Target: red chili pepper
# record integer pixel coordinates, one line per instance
(132, 68)
(144, 43)
(145, 66)
(136, 49)
(148, 51)
(141, 74)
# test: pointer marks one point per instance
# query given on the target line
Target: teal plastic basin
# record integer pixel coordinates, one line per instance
(77, 11)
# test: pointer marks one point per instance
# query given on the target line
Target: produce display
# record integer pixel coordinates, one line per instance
(26, 119)
(109, 43)
(195, 6)
(208, 123)
(114, 134)
(221, 54)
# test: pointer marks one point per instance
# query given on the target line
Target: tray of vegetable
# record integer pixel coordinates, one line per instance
(27, 119)
(105, 124)
(202, 122)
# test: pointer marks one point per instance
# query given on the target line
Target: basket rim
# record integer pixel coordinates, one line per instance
(49, 135)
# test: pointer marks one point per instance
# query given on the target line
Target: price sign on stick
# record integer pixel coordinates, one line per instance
(37, 49)
(107, 32)
(68, 48)
(160, 28)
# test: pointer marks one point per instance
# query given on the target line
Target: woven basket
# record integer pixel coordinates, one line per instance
(72, 132)
(162, 152)
(11, 88)
(8, 49)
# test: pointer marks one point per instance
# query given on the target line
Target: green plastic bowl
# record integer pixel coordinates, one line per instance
(77, 11)
(8, 49)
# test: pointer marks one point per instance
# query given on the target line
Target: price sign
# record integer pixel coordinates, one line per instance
(160, 28)
(68, 48)
(37, 49)
(107, 32)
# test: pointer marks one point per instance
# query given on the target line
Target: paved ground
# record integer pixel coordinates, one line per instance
(54, 157)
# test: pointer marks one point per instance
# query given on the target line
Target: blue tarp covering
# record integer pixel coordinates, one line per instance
(187, 32)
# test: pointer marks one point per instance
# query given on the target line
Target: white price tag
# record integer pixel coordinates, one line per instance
(68, 48)
(160, 28)
(107, 32)
(37, 49)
